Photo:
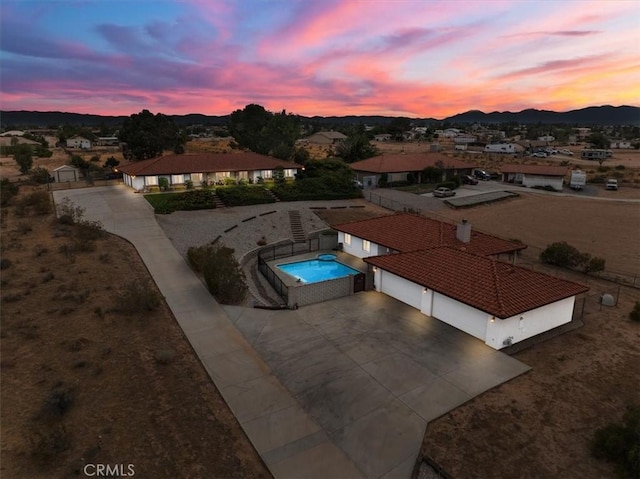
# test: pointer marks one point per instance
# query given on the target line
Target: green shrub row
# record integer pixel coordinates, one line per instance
(244, 195)
(190, 200)
(311, 189)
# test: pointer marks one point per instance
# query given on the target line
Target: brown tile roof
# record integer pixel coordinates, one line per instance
(492, 286)
(545, 170)
(400, 163)
(406, 232)
(204, 163)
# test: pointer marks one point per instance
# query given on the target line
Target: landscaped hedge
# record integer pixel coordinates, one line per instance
(244, 195)
(315, 189)
(191, 200)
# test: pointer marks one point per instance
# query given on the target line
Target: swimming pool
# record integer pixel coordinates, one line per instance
(316, 270)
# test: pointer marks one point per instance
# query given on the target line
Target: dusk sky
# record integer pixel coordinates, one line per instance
(318, 57)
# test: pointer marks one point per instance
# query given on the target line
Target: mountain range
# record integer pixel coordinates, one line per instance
(591, 116)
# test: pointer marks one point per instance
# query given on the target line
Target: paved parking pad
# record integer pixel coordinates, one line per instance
(372, 372)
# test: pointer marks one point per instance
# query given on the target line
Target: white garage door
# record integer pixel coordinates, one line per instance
(401, 289)
(460, 315)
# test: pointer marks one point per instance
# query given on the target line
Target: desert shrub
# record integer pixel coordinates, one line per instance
(165, 356)
(620, 167)
(599, 179)
(5, 263)
(163, 183)
(634, 315)
(603, 169)
(593, 265)
(39, 175)
(620, 443)
(7, 191)
(136, 298)
(37, 202)
(68, 212)
(224, 276)
(46, 445)
(561, 254)
(58, 402)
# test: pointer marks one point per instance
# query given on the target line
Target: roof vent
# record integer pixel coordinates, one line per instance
(463, 231)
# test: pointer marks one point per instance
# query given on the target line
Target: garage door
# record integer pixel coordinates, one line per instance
(401, 289)
(460, 315)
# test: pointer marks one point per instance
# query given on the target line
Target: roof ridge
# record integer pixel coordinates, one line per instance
(498, 288)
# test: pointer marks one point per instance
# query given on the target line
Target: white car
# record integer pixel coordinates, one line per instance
(539, 154)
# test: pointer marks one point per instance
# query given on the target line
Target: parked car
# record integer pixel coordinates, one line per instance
(539, 154)
(612, 184)
(443, 192)
(482, 175)
(469, 180)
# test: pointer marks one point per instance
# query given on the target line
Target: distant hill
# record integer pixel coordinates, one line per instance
(595, 115)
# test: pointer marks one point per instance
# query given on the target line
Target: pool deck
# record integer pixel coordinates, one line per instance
(290, 281)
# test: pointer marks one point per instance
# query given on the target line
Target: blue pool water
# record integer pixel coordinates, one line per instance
(316, 270)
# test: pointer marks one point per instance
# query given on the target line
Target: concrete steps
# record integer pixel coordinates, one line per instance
(218, 202)
(270, 193)
(297, 230)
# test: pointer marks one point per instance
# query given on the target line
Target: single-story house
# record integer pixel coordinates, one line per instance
(455, 274)
(494, 301)
(465, 139)
(620, 144)
(207, 167)
(78, 142)
(326, 138)
(397, 167)
(535, 175)
(66, 173)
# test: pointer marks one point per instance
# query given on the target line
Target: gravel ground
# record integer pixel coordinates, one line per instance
(195, 228)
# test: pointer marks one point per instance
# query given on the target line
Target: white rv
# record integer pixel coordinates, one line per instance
(578, 180)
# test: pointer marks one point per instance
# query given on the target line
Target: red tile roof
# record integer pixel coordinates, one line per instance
(406, 232)
(492, 286)
(400, 163)
(544, 170)
(204, 163)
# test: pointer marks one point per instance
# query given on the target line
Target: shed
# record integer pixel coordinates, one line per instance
(66, 173)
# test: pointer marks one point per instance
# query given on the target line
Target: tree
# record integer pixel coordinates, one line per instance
(23, 156)
(356, 148)
(147, 135)
(561, 254)
(261, 131)
(598, 140)
(111, 162)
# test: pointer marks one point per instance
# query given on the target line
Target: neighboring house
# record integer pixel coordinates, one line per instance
(535, 175)
(108, 141)
(13, 133)
(207, 167)
(326, 138)
(452, 273)
(397, 167)
(18, 140)
(547, 138)
(464, 139)
(510, 148)
(621, 144)
(66, 173)
(78, 142)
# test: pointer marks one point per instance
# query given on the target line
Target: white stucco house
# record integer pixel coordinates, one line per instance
(535, 175)
(455, 275)
(209, 167)
(79, 142)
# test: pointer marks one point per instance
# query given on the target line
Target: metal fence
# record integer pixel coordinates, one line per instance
(283, 251)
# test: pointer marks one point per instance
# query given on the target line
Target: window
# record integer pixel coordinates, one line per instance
(267, 174)
(347, 238)
(366, 246)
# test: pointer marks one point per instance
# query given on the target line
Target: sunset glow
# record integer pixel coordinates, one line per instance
(329, 57)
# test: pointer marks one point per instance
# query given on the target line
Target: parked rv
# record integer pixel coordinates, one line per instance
(578, 180)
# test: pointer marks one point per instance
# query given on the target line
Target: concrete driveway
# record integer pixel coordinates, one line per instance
(338, 389)
(372, 372)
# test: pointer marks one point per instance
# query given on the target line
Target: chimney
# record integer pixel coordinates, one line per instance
(463, 231)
